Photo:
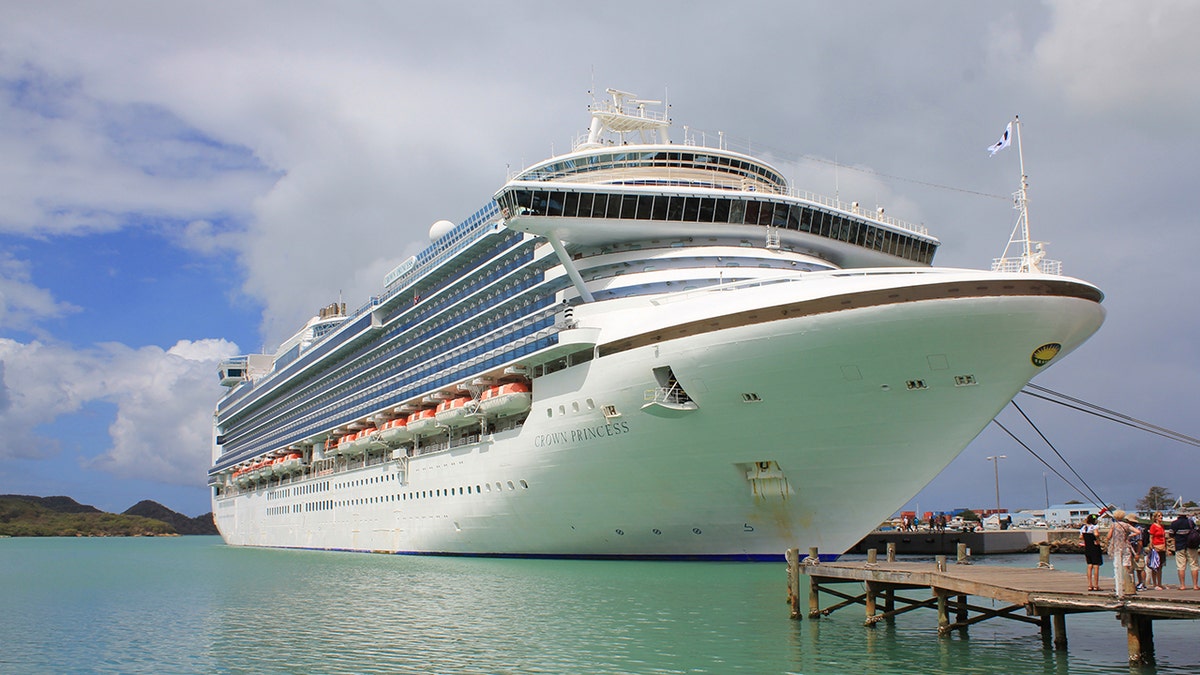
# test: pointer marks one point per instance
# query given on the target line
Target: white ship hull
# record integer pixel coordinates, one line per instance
(805, 431)
(639, 348)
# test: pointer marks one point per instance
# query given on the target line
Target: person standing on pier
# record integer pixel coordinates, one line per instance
(1091, 552)
(1118, 550)
(1138, 539)
(1156, 556)
(1185, 550)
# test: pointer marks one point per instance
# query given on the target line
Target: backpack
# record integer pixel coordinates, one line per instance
(1193, 539)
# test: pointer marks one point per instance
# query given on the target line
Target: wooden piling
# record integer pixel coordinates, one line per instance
(814, 595)
(891, 551)
(1140, 636)
(942, 609)
(963, 557)
(1060, 631)
(792, 555)
(870, 603)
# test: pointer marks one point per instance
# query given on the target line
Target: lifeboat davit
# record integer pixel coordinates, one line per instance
(242, 477)
(455, 412)
(506, 399)
(423, 422)
(395, 432)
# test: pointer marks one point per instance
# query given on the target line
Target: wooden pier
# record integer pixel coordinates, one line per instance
(1041, 595)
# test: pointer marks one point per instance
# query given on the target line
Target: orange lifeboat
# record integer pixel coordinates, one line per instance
(506, 399)
(423, 422)
(349, 446)
(395, 431)
(258, 471)
(290, 463)
(455, 412)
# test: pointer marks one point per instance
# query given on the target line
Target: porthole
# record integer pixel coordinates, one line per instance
(696, 530)
(511, 486)
(620, 532)
(524, 485)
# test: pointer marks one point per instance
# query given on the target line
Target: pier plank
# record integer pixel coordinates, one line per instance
(1045, 596)
(1042, 590)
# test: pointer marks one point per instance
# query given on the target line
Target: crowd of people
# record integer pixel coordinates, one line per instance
(1139, 551)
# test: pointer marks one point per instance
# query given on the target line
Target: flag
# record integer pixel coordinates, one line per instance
(1001, 144)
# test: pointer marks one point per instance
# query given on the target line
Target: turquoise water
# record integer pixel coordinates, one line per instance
(193, 605)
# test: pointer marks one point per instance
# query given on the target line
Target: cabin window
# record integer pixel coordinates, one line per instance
(751, 211)
(613, 209)
(585, 205)
(645, 207)
(721, 211)
(780, 217)
(571, 204)
(675, 209)
(660, 208)
(629, 206)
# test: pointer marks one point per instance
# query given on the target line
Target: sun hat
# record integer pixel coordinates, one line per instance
(1119, 514)
(1132, 518)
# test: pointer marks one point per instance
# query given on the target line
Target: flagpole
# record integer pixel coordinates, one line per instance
(1027, 264)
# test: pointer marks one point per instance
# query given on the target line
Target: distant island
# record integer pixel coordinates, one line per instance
(29, 516)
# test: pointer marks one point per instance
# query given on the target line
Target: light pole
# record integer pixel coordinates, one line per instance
(995, 460)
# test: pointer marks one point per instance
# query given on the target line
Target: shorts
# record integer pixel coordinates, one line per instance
(1139, 562)
(1185, 557)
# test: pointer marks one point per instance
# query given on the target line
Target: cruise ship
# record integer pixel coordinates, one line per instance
(643, 348)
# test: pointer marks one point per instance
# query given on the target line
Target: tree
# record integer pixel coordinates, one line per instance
(968, 514)
(1156, 499)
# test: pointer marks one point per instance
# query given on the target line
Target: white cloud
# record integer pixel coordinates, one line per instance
(23, 304)
(164, 401)
(1127, 57)
(77, 164)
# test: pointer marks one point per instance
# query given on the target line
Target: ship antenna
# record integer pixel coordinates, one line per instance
(1033, 253)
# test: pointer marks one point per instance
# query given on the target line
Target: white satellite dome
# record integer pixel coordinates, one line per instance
(440, 229)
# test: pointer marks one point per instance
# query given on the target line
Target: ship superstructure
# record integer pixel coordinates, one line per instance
(639, 348)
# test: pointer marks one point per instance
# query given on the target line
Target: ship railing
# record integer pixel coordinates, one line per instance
(670, 395)
(633, 176)
(655, 176)
(1018, 265)
(854, 208)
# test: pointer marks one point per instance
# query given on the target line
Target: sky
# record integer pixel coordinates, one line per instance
(183, 182)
